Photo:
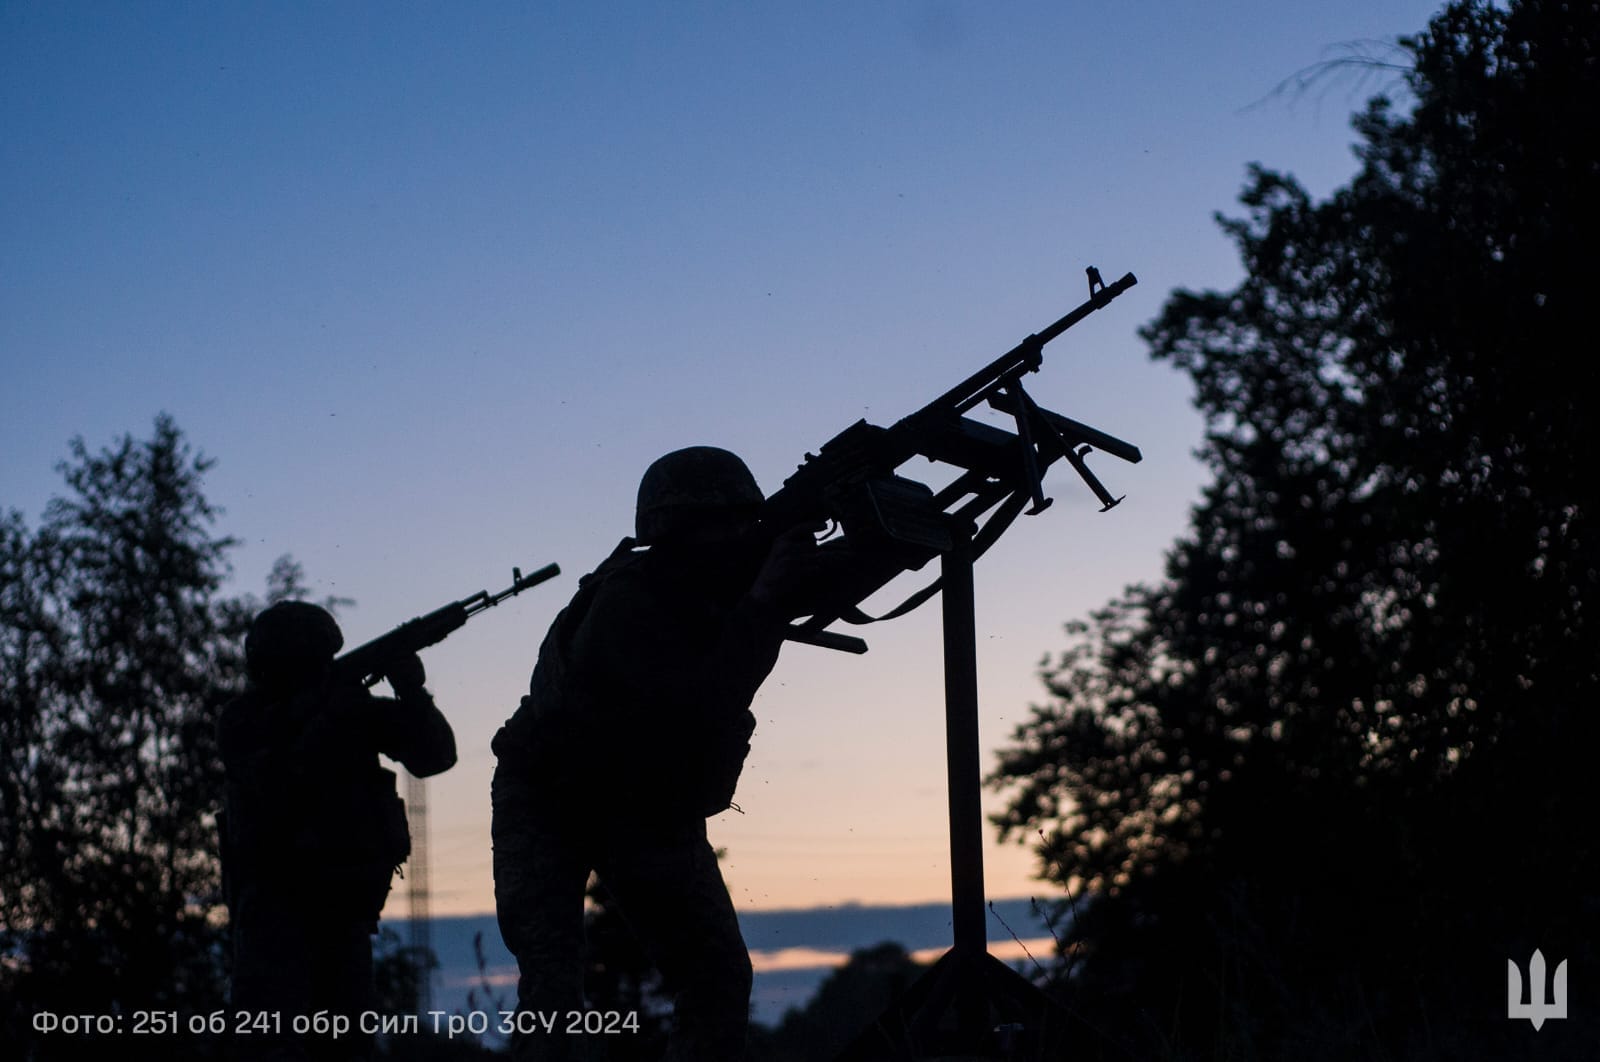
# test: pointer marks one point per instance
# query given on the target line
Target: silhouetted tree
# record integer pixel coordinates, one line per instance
(397, 970)
(116, 651)
(1321, 782)
(847, 1002)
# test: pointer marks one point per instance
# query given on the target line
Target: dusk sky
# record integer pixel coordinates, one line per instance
(433, 283)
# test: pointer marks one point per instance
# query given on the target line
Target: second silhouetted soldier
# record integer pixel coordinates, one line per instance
(634, 731)
(314, 828)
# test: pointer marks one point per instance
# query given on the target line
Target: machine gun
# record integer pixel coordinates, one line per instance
(366, 663)
(892, 524)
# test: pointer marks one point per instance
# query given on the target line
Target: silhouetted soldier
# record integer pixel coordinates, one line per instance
(634, 731)
(314, 829)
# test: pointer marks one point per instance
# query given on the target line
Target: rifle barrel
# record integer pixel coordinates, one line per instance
(366, 660)
(483, 599)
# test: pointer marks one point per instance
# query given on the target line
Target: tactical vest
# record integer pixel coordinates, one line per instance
(555, 741)
(333, 840)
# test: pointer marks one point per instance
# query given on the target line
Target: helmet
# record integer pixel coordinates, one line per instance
(289, 641)
(685, 484)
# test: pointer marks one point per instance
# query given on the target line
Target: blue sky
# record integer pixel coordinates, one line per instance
(434, 282)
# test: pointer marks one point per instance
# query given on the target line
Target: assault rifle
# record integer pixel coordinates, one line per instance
(891, 524)
(367, 663)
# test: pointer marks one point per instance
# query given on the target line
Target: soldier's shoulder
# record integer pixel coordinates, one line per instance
(627, 576)
(621, 565)
(239, 727)
(240, 708)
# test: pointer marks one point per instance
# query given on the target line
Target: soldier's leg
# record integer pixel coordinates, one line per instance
(539, 879)
(342, 985)
(271, 974)
(672, 894)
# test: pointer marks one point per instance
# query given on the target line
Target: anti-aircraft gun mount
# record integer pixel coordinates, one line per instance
(969, 1003)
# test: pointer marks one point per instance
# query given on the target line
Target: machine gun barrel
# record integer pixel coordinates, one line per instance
(1026, 356)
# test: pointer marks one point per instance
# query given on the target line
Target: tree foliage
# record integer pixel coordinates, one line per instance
(1320, 782)
(849, 1001)
(117, 649)
(112, 645)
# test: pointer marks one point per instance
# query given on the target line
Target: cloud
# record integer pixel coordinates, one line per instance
(774, 960)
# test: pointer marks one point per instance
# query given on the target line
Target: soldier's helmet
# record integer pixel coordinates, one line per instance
(290, 641)
(684, 487)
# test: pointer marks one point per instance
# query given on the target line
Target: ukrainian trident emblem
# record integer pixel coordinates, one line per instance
(1539, 1006)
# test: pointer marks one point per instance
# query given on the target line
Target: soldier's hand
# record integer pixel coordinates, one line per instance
(786, 567)
(406, 673)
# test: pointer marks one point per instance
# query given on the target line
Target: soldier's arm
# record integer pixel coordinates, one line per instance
(412, 730)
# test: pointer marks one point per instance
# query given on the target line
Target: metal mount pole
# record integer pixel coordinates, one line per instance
(964, 776)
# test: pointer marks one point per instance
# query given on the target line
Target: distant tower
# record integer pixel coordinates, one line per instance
(417, 890)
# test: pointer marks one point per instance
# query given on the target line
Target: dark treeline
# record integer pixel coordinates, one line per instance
(1314, 789)
(118, 648)
(114, 645)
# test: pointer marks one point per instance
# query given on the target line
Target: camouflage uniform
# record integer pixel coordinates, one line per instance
(312, 834)
(634, 731)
